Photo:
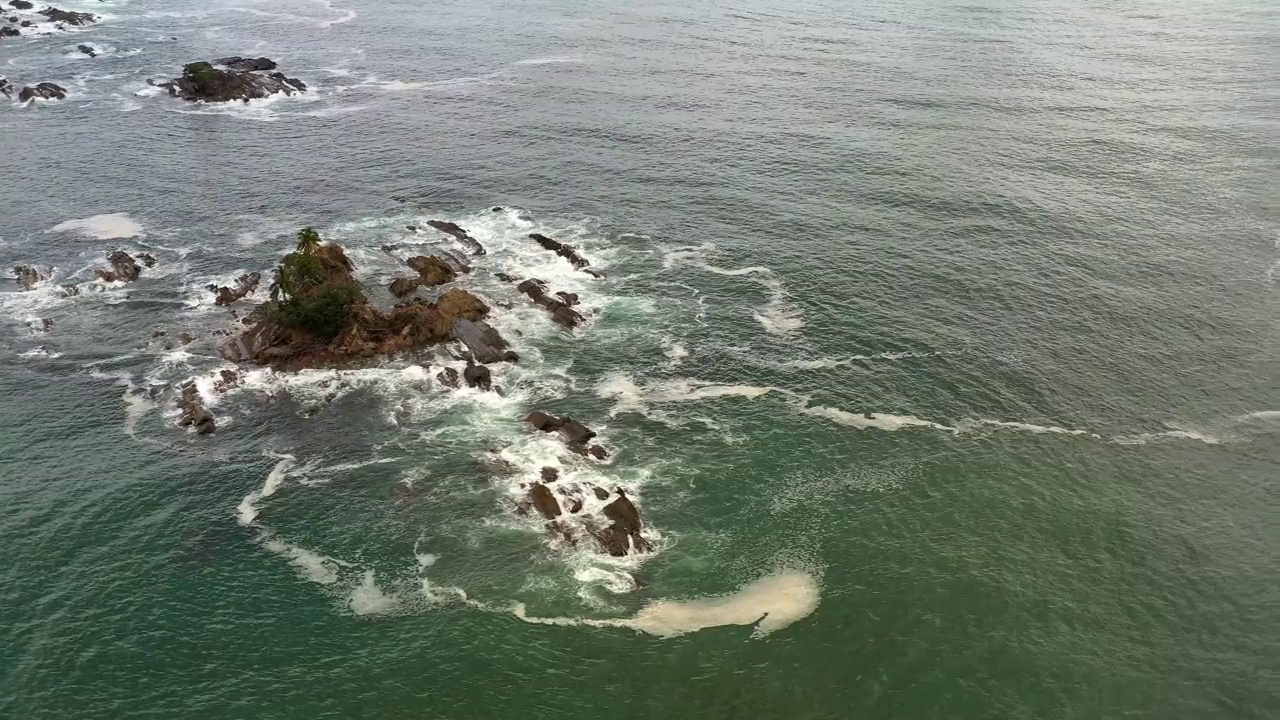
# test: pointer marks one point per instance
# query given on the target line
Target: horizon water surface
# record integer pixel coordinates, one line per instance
(937, 344)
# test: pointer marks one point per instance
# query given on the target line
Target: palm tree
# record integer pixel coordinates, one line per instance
(308, 241)
(277, 284)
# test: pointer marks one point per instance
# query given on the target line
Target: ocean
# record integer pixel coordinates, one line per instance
(937, 344)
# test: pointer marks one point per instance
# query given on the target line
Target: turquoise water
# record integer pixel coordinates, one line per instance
(944, 335)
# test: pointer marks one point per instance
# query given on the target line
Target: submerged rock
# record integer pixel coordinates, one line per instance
(536, 290)
(448, 377)
(124, 268)
(148, 261)
(202, 82)
(44, 91)
(87, 50)
(550, 474)
(6, 87)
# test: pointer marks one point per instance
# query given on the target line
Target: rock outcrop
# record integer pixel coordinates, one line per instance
(28, 277)
(471, 244)
(400, 287)
(8, 31)
(6, 87)
(87, 50)
(560, 311)
(20, 4)
(355, 330)
(545, 501)
(448, 377)
(565, 251)
(245, 284)
(124, 268)
(623, 536)
(194, 413)
(202, 82)
(68, 17)
(43, 91)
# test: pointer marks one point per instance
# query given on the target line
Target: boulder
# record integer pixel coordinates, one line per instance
(123, 268)
(561, 313)
(575, 506)
(545, 501)
(485, 344)
(478, 376)
(246, 64)
(245, 284)
(7, 31)
(432, 269)
(20, 4)
(6, 87)
(504, 277)
(448, 377)
(575, 433)
(472, 245)
(28, 277)
(202, 82)
(148, 261)
(545, 422)
(601, 493)
(568, 298)
(44, 91)
(624, 513)
(186, 338)
(87, 50)
(598, 452)
(401, 287)
(68, 17)
(550, 474)
(458, 303)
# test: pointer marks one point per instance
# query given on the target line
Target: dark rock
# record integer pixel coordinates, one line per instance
(20, 4)
(389, 248)
(543, 421)
(504, 277)
(543, 499)
(575, 506)
(567, 316)
(245, 284)
(46, 324)
(7, 31)
(613, 540)
(624, 513)
(575, 433)
(531, 284)
(26, 23)
(601, 493)
(149, 261)
(203, 82)
(472, 245)
(6, 87)
(448, 377)
(401, 287)
(477, 376)
(28, 276)
(568, 298)
(70, 290)
(568, 253)
(246, 64)
(123, 268)
(485, 344)
(229, 379)
(550, 474)
(87, 50)
(159, 333)
(411, 228)
(68, 17)
(186, 338)
(45, 91)
(597, 452)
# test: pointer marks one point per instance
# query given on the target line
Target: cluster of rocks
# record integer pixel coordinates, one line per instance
(240, 79)
(44, 90)
(576, 436)
(471, 244)
(568, 253)
(245, 284)
(28, 276)
(194, 413)
(62, 18)
(125, 267)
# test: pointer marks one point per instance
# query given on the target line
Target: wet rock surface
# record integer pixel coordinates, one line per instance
(68, 17)
(42, 91)
(194, 414)
(565, 251)
(471, 244)
(124, 268)
(245, 284)
(562, 313)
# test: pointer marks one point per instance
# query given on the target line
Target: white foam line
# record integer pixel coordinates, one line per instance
(247, 511)
(771, 603)
(103, 227)
(313, 566)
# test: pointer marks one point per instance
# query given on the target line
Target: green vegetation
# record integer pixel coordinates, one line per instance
(310, 289)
